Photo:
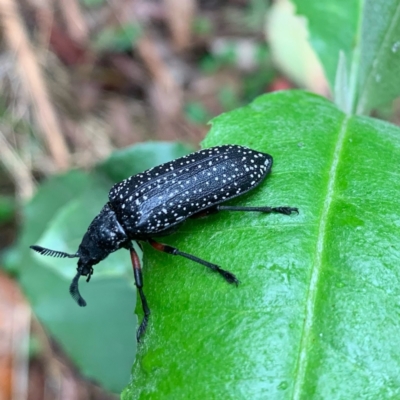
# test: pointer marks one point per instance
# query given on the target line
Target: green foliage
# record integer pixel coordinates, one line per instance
(93, 3)
(202, 26)
(195, 112)
(368, 34)
(132, 160)
(103, 334)
(229, 56)
(317, 300)
(118, 38)
(7, 208)
(256, 84)
(253, 83)
(333, 28)
(379, 62)
(228, 98)
(255, 13)
(108, 318)
(316, 314)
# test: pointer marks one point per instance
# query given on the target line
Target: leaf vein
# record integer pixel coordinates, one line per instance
(312, 292)
(374, 64)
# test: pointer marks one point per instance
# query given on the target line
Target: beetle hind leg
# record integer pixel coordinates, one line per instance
(228, 276)
(268, 210)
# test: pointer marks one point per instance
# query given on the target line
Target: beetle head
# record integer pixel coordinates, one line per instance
(104, 236)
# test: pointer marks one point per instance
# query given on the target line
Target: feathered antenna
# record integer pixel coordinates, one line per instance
(74, 290)
(53, 253)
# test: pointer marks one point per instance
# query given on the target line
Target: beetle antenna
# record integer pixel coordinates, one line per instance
(74, 290)
(53, 253)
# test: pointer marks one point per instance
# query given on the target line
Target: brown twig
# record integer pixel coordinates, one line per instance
(165, 93)
(180, 16)
(33, 82)
(74, 21)
(15, 317)
(20, 347)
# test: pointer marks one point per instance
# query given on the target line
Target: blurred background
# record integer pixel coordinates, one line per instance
(82, 78)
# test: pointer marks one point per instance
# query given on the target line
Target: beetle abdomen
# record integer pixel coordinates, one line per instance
(166, 195)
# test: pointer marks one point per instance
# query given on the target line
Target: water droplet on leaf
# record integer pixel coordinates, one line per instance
(283, 385)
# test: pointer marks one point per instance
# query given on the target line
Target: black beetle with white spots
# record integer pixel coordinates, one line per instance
(157, 201)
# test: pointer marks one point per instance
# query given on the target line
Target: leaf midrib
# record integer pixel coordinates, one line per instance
(302, 360)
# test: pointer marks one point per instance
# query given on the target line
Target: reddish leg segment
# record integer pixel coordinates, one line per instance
(137, 272)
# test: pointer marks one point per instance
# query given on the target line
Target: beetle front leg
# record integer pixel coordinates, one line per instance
(228, 276)
(137, 272)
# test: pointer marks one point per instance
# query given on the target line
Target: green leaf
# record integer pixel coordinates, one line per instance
(196, 113)
(316, 315)
(66, 229)
(202, 26)
(118, 38)
(367, 34)
(93, 3)
(94, 337)
(52, 195)
(333, 27)
(57, 217)
(103, 334)
(132, 160)
(7, 208)
(379, 71)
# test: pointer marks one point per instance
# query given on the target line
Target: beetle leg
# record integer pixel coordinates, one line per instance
(228, 276)
(137, 271)
(74, 289)
(268, 210)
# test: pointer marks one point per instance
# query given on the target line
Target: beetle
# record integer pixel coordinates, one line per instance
(156, 202)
